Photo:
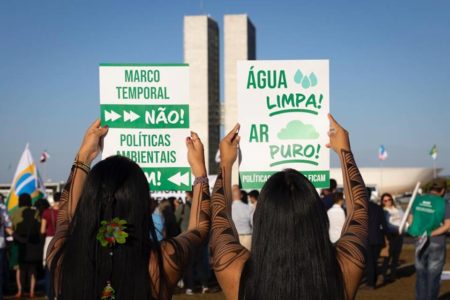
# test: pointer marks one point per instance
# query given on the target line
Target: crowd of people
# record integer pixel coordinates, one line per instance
(31, 227)
(105, 238)
(171, 217)
(384, 239)
(25, 233)
(428, 222)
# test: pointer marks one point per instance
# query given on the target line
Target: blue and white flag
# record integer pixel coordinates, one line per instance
(382, 153)
(26, 180)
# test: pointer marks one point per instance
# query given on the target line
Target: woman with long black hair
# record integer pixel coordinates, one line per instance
(292, 256)
(105, 246)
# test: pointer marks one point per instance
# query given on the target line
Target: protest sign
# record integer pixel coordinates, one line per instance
(146, 107)
(283, 107)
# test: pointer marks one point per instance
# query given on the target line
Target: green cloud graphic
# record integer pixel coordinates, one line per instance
(297, 130)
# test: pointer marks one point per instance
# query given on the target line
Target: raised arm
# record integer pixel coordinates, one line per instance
(68, 203)
(351, 247)
(229, 256)
(179, 250)
(90, 148)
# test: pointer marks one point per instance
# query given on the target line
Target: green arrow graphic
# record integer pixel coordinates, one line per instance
(168, 179)
(145, 116)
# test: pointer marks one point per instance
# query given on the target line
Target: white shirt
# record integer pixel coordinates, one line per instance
(394, 217)
(241, 214)
(336, 215)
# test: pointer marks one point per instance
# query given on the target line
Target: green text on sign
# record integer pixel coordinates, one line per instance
(256, 180)
(145, 116)
(168, 179)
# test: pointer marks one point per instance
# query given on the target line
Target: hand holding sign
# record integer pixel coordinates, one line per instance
(229, 147)
(339, 139)
(196, 155)
(92, 143)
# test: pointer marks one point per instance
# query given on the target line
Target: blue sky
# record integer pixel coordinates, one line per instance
(390, 79)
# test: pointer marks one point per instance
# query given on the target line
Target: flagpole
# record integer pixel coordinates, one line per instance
(45, 173)
(381, 176)
(434, 168)
(408, 208)
(434, 153)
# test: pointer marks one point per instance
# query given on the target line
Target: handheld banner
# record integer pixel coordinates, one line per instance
(146, 107)
(283, 107)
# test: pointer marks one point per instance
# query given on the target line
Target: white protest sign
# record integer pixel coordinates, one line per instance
(146, 107)
(283, 107)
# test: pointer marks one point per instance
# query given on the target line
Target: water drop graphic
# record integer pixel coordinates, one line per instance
(313, 79)
(305, 82)
(298, 76)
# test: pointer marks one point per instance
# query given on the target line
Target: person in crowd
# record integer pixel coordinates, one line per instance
(253, 198)
(41, 205)
(336, 216)
(327, 194)
(173, 203)
(17, 218)
(394, 215)
(183, 212)
(242, 216)
(376, 241)
(244, 197)
(199, 265)
(196, 263)
(26, 224)
(292, 256)
(430, 222)
(102, 248)
(48, 229)
(177, 203)
(171, 228)
(5, 228)
(158, 220)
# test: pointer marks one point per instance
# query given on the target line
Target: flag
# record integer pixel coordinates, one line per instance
(434, 152)
(44, 156)
(382, 153)
(26, 180)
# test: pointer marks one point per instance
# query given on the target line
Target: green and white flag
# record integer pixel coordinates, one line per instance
(434, 152)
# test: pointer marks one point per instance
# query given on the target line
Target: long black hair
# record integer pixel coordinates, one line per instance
(116, 187)
(292, 256)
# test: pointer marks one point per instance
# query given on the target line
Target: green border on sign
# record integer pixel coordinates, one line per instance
(141, 65)
(256, 179)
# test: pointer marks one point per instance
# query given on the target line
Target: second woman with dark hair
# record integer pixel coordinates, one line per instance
(105, 246)
(292, 256)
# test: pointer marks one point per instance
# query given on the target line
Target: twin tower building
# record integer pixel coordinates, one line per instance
(208, 115)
